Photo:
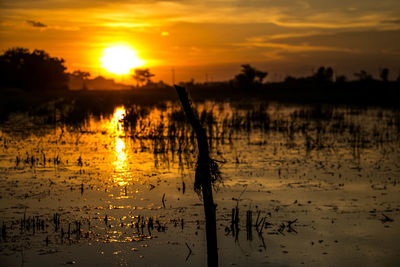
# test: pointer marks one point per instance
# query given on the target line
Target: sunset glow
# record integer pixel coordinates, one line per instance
(202, 133)
(213, 38)
(120, 59)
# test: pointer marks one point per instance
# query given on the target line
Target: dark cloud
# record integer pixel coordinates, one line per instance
(36, 24)
(393, 21)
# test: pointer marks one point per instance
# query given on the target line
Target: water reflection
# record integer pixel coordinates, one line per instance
(116, 129)
(292, 162)
(120, 165)
(115, 126)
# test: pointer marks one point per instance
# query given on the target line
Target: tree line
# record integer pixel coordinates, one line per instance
(32, 71)
(38, 71)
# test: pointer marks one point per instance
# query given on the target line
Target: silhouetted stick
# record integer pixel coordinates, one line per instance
(206, 172)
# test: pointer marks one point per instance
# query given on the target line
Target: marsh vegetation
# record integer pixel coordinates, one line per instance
(86, 182)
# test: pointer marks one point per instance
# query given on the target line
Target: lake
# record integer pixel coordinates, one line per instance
(312, 185)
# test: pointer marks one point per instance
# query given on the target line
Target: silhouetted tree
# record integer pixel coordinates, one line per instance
(142, 77)
(363, 76)
(82, 75)
(384, 74)
(249, 77)
(323, 75)
(32, 71)
(261, 75)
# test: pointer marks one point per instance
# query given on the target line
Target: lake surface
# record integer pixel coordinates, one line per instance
(320, 184)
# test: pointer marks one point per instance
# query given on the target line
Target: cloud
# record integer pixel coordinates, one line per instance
(367, 41)
(293, 13)
(36, 24)
(295, 48)
(392, 21)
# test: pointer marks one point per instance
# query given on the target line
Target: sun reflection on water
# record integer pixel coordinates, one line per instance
(116, 125)
(116, 129)
(120, 162)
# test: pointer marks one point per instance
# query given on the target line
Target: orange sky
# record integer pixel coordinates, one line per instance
(211, 39)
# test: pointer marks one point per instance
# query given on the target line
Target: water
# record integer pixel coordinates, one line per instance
(117, 189)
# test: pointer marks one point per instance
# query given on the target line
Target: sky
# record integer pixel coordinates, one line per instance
(210, 39)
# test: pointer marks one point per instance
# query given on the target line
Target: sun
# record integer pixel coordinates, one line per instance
(120, 59)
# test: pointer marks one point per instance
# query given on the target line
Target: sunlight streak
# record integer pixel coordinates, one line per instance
(120, 163)
(116, 128)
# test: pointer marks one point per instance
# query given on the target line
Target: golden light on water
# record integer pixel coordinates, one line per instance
(120, 163)
(120, 150)
(120, 59)
(116, 128)
(119, 114)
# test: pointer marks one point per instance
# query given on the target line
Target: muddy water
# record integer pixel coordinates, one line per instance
(321, 184)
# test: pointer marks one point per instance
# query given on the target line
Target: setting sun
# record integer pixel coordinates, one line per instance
(120, 59)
